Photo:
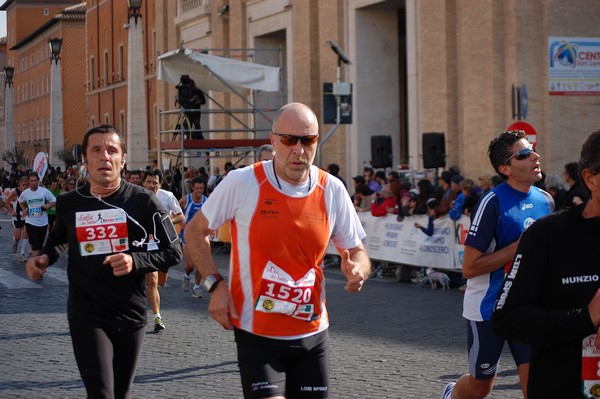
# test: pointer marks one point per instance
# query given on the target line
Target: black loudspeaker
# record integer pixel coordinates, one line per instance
(434, 150)
(381, 151)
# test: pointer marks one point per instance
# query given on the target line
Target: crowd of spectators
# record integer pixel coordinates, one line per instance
(452, 193)
(372, 191)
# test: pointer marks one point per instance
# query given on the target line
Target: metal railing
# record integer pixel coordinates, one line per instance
(187, 5)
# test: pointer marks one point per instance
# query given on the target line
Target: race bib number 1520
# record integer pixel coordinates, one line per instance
(279, 293)
(103, 231)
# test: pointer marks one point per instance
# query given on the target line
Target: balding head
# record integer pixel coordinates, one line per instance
(294, 139)
(296, 118)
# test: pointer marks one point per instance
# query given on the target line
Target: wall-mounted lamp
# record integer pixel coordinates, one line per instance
(134, 9)
(8, 75)
(55, 46)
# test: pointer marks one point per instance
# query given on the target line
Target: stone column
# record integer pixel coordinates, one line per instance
(9, 120)
(137, 125)
(57, 136)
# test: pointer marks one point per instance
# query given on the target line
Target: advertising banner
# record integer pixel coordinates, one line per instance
(403, 243)
(574, 65)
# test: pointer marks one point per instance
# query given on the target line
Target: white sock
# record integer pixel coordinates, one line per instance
(196, 286)
(24, 245)
(187, 276)
(157, 315)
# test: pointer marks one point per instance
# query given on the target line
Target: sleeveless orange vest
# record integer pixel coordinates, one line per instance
(287, 240)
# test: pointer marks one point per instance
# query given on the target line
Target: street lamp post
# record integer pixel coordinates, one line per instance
(137, 125)
(134, 9)
(9, 111)
(57, 137)
(55, 46)
(8, 75)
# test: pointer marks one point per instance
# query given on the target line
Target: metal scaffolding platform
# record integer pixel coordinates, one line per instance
(243, 135)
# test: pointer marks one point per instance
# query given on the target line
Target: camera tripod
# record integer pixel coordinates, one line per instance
(186, 126)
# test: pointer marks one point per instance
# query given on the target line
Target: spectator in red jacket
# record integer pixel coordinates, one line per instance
(384, 202)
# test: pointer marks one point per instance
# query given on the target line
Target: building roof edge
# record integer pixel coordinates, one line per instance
(72, 13)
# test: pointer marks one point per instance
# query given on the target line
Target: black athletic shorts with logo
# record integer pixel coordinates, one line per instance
(296, 369)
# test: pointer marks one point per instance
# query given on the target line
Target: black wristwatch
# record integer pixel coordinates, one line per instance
(211, 281)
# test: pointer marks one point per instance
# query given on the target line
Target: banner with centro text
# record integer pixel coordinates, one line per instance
(574, 66)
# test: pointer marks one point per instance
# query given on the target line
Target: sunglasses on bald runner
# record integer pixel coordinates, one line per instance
(522, 154)
(291, 140)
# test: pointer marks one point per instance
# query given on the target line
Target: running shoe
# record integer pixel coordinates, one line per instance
(197, 292)
(158, 324)
(447, 392)
(13, 249)
(185, 283)
(22, 259)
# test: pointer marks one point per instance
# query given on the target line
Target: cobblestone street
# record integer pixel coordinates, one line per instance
(392, 340)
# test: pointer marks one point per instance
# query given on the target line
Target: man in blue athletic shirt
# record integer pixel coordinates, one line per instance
(501, 216)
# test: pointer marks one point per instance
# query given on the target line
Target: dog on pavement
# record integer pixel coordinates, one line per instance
(434, 278)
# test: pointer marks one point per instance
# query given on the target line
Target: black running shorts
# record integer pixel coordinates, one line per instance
(18, 224)
(37, 236)
(296, 369)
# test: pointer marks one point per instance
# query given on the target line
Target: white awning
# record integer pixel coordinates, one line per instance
(211, 72)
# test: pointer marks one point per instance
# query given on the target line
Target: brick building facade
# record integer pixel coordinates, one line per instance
(107, 64)
(30, 26)
(417, 66)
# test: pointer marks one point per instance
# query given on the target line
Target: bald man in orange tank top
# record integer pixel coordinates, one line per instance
(283, 215)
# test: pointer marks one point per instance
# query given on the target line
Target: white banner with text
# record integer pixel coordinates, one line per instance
(401, 242)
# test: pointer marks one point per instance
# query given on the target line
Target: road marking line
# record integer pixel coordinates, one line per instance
(57, 274)
(12, 281)
(175, 274)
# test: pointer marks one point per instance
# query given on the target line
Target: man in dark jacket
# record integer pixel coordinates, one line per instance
(116, 233)
(551, 295)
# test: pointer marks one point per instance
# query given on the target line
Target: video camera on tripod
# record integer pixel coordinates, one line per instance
(190, 98)
(186, 96)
